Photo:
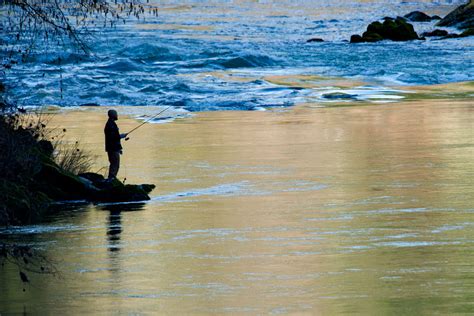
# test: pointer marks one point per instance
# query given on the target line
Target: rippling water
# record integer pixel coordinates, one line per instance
(364, 210)
(311, 210)
(223, 55)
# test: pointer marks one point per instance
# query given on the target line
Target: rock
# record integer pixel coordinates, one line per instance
(462, 17)
(468, 32)
(436, 32)
(90, 104)
(356, 39)
(59, 184)
(452, 35)
(418, 16)
(115, 191)
(392, 29)
(339, 96)
(372, 37)
(436, 17)
(315, 40)
(93, 177)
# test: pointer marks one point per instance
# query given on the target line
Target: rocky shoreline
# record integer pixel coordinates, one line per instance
(399, 29)
(34, 181)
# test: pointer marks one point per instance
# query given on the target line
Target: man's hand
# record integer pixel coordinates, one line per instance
(123, 135)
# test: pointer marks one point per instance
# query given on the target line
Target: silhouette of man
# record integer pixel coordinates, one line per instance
(112, 144)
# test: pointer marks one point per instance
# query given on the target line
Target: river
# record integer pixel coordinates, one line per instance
(292, 177)
(306, 210)
(225, 55)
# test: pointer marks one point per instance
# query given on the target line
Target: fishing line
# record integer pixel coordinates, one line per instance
(147, 121)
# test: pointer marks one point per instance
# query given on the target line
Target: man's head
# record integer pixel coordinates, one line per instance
(112, 114)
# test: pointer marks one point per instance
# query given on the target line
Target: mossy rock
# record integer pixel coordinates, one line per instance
(436, 32)
(356, 39)
(391, 29)
(376, 27)
(398, 30)
(371, 37)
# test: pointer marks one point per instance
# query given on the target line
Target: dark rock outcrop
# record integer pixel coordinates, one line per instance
(339, 96)
(436, 32)
(115, 191)
(356, 39)
(462, 17)
(418, 16)
(466, 33)
(315, 40)
(391, 29)
(60, 185)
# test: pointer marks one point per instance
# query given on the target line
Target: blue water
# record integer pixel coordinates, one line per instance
(225, 55)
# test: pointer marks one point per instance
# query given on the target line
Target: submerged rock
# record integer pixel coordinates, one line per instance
(418, 16)
(315, 40)
(436, 32)
(462, 17)
(339, 96)
(392, 29)
(466, 33)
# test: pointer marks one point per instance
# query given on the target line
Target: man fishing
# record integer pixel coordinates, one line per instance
(113, 137)
(113, 147)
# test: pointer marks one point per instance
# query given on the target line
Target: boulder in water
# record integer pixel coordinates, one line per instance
(356, 39)
(462, 17)
(392, 29)
(339, 96)
(436, 32)
(418, 16)
(315, 40)
(60, 185)
(466, 33)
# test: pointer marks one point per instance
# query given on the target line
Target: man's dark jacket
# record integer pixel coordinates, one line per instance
(112, 136)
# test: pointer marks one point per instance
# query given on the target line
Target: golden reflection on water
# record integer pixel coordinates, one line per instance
(303, 210)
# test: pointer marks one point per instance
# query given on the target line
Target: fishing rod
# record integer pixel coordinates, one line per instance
(151, 118)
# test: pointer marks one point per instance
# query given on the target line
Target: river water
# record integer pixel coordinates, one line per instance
(296, 209)
(364, 210)
(224, 55)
